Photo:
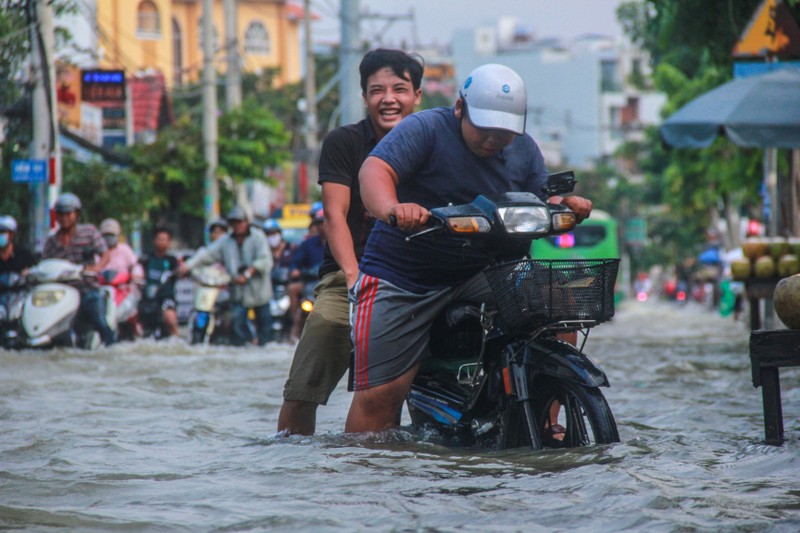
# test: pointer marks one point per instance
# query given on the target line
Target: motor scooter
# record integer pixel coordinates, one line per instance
(309, 277)
(210, 318)
(13, 289)
(50, 314)
(125, 296)
(280, 303)
(499, 376)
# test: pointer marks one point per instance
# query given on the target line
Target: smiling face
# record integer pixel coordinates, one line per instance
(389, 99)
(483, 142)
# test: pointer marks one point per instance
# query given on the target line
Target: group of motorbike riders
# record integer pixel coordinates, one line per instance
(377, 293)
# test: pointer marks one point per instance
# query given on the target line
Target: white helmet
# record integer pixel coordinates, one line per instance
(496, 98)
(110, 227)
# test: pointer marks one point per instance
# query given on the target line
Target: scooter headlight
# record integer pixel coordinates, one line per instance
(47, 298)
(525, 219)
(307, 306)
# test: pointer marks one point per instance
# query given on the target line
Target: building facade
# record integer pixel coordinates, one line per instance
(165, 35)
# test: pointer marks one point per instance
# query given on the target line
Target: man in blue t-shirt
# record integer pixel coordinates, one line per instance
(431, 159)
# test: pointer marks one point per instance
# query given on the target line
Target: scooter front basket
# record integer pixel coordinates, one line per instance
(535, 292)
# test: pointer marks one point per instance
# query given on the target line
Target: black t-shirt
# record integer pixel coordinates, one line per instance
(154, 268)
(343, 152)
(19, 261)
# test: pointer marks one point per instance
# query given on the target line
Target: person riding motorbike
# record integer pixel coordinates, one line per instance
(282, 250)
(390, 84)
(13, 258)
(305, 268)
(120, 256)
(159, 305)
(81, 244)
(122, 272)
(245, 254)
(431, 159)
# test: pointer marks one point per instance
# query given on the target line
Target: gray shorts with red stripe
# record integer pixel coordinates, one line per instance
(391, 326)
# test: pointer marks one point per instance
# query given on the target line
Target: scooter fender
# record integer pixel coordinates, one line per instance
(111, 306)
(49, 310)
(205, 298)
(563, 360)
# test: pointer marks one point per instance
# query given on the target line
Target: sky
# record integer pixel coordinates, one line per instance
(437, 20)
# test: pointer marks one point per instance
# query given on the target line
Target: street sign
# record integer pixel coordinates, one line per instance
(29, 170)
(100, 85)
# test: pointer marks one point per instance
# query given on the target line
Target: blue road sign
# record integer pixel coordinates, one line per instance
(29, 170)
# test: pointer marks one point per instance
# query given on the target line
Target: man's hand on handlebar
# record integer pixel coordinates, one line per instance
(582, 207)
(408, 217)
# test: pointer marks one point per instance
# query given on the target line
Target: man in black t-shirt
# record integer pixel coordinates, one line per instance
(158, 305)
(12, 257)
(390, 81)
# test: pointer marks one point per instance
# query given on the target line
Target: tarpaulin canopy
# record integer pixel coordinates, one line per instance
(760, 111)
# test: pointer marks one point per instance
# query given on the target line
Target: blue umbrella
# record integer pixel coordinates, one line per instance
(710, 256)
(761, 111)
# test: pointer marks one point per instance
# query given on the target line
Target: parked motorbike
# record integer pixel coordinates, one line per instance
(125, 296)
(50, 312)
(501, 378)
(13, 289)
(280, 304)
(210, 318)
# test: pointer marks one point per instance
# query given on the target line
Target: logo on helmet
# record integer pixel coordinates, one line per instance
(506, 88)
(468, 82)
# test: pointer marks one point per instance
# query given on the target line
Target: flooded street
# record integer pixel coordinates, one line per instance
(164, 437)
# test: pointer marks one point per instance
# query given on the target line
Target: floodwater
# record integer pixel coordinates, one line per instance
(166, 437)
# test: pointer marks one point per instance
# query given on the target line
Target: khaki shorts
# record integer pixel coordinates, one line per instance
(323, 352)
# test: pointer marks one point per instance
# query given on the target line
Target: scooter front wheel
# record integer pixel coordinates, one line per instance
(569, 414)
(565, 414)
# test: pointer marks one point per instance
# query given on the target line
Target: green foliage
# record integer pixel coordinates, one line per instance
(690, 46)
(251, 140)
(173, 168)
(106, 192)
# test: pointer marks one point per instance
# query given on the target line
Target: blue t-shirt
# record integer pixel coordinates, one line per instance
(435, 167)
(309, 254)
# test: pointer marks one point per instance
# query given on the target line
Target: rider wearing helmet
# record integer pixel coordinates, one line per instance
(432, 158)
(245, 254)
(121, 256)
(81, 244)
(217, 228)
(282, 251)
(13, 258)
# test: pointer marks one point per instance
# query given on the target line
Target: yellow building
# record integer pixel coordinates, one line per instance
(136, 35)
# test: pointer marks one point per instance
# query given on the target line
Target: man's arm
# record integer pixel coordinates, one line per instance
(379, 194)
(336, 204)
(263, 258)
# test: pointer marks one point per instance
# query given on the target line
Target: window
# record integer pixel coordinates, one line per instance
(148, 23)
(256, 39)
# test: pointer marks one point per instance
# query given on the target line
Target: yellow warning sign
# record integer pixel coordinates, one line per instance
(772, 32)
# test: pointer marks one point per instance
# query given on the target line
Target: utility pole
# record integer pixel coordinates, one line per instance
(233, 78)
(44, 143)
(310, 87)
(211, 197)
(352, 108)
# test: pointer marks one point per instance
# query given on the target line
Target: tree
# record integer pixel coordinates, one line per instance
(251, 140)
(690, 46)
(106, 192)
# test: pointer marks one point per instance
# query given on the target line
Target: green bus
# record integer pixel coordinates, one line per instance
(594, 238)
